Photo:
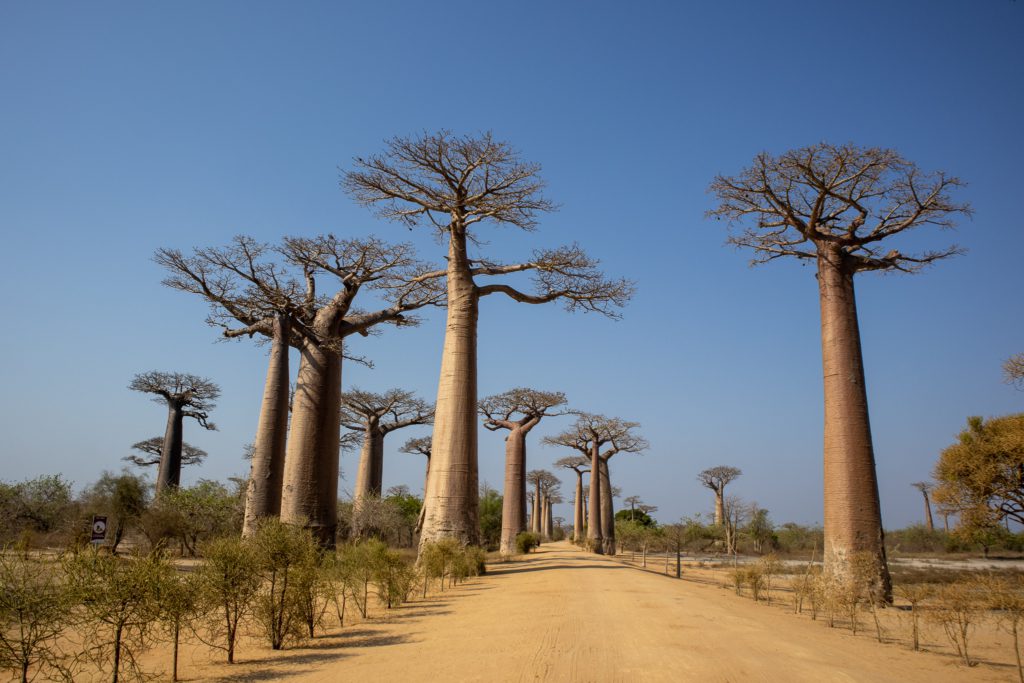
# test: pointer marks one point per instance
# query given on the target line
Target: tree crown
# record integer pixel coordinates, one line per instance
(196, 395)
(152, 450)
(386, 412)
(850, 197)
(526, 405)
(716, 478)
(591, 429)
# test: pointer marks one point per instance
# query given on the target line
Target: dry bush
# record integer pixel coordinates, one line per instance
(957, 609)
(228, 582)
(768, 567)
(1004, 594)
(915, 594)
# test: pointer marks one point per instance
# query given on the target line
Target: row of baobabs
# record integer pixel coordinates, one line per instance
(833, 205)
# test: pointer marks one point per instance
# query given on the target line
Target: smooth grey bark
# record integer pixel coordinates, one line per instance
(451, 503)
(595, 537)
(853, 516)
(169, 474)
(263, 495)
(577, 511)
(310, 492)
(513, 505)
(607, 510)
(535, 518)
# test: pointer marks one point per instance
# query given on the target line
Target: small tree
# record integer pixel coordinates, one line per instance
(1005, 595)
(35, 610)
(123, 497)
(915, 594)
(177, 598)
(118, 603)
(956, 610)
(184, 395)
(229, 580)
(286, 558)
(1013, 370)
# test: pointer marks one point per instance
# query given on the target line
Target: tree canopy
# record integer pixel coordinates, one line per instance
(981, 476)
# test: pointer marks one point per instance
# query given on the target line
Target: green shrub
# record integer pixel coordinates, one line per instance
(526, 541)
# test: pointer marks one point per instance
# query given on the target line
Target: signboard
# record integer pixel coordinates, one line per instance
(99, 528)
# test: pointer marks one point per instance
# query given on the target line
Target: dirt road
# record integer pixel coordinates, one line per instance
(565, 615)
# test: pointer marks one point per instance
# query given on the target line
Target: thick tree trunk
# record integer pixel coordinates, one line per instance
(169, 475)
(719, 506)
(513, 505)
(594, 538)
(550, 527)
(451, 501)
(263, 496)
(607, 510)
(577, 510)
(545, 516)
(853, 517)
(535, 514)
(310, 495)
(928, 512)
(369, 476)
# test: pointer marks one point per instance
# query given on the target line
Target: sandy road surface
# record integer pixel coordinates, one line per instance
(565, 615)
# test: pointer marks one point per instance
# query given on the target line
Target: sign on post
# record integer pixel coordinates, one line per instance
(99, 528)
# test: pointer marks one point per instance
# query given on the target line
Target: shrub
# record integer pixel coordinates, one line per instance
(957, 608)
(229, 580)
(526, 541)
(915, 594)
(287, 560)
(34, 611)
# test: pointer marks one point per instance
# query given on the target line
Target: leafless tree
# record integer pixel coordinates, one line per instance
(376, 416)
(310, 486)
(456, 185)
(1013, 370)
(925, 488)
(589, 435)
(184, 395)
(152, 448)
(518, 411)
(834, 205)
(250, 293)
(580, 465)
(716, 478)
(420, 445)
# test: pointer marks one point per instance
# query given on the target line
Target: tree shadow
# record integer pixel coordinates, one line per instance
(547, 567)
(267, 669)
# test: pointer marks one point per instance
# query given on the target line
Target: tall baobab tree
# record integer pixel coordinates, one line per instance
(457, 185)
(250, 293)
(579, 465)
(925, 488)
(716, 479)
(377, 415)
(310, 487)
(834, 205)
(184, 395)
(540, 479)
(589, 435)
(518, 411)
(552, 497)
(276, 293)
(151, 449)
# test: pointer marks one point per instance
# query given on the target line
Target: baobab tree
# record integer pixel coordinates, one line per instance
(419, 445)
(184, 395)
(542, 480)
(925, 488)
(457, 185)
(834, 205)
(376, 416)
(518, 411)
(151, 449)
(276, 293)
(579, 465)
(310, 487)
(589, 435)
(716, 478)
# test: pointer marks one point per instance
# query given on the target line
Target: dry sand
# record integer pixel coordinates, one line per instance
(564, 615)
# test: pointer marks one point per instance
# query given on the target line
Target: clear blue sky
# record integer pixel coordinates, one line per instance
(125, 127)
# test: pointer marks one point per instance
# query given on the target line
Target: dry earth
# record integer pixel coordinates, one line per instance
(564, 615)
